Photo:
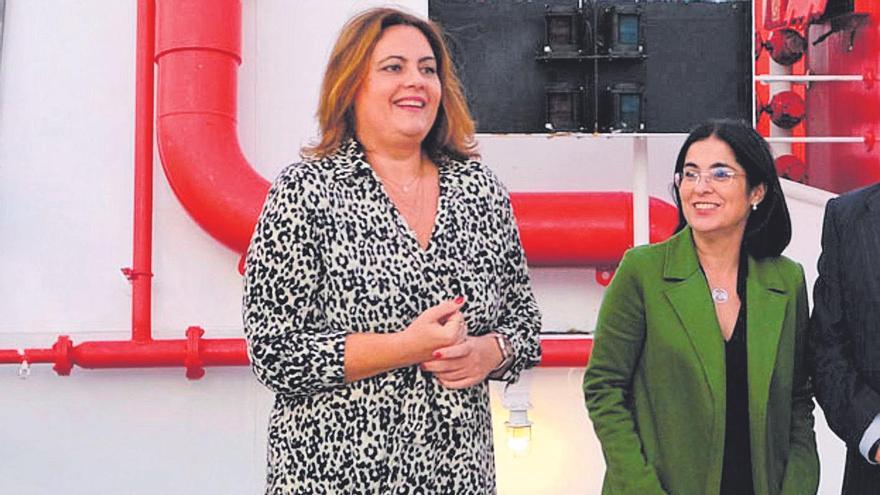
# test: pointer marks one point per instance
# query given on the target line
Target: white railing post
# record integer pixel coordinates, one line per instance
(779, 147)
(641, 208)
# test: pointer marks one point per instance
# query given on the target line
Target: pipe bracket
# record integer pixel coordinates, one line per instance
(193, 361)
(131, 274)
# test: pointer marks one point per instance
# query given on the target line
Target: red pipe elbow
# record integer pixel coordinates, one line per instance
(198, 49)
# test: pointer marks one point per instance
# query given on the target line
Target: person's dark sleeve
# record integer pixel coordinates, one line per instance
(848, 402)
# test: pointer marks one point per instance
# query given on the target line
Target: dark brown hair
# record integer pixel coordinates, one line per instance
(768, 229)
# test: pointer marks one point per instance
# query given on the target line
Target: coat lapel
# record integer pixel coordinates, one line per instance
(688, 294)
(766, 303)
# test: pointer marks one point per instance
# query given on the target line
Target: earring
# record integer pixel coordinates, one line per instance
(754, 206)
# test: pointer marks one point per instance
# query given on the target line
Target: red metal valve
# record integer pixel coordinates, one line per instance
(791, 167)
(786, 109)
(786, 46)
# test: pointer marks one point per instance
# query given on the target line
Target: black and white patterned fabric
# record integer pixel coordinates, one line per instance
(331, 256)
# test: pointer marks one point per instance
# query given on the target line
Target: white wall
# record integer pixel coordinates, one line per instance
(66, 147)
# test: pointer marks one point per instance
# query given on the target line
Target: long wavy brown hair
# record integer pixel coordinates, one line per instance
(453, 129)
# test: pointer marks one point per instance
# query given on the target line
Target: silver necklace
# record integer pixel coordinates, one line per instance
(406, 188)
(409, 199)
(720, 295)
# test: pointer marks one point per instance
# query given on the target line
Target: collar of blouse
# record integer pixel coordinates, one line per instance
(350, 161)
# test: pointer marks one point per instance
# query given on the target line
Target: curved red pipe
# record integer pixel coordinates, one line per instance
(198, 49)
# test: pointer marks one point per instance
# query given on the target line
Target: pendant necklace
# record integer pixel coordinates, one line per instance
(719, 295)
(409, 198)
(405, 187)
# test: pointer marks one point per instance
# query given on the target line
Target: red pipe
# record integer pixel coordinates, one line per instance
(583, 229)
(195, 353)
(141, 273)
(565, 352)
(198, 49)
(9, 357)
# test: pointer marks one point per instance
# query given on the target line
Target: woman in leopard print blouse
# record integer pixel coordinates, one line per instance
(386, 281)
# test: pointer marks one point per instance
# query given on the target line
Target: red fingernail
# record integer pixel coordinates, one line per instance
(437, 355)
(459, 300)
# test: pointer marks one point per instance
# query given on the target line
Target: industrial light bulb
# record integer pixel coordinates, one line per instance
(519, 432)
(518, 426)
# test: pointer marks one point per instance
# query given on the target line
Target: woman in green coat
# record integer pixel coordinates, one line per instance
(698, 380)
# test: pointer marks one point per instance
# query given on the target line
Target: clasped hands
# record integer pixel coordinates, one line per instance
(455, 358)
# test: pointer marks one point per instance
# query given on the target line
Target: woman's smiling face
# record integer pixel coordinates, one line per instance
(397, 102)
(714, 190)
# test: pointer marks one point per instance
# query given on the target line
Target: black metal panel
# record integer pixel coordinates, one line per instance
(692, 62)
(494, 46)
(699, 63)
(839, 7)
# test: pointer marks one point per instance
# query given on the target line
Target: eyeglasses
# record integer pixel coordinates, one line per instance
(691, 178)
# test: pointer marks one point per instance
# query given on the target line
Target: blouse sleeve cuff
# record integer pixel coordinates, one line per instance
(869, 438)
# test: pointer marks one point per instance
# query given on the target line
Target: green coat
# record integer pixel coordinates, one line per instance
(656, 383)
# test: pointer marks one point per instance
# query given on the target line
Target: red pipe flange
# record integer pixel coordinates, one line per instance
(63, 348)
(193, 359)
(791, 167)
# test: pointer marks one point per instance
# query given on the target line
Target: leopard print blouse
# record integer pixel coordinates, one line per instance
(330, 256)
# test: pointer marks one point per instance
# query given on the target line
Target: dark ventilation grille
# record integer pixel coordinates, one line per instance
(604, 65)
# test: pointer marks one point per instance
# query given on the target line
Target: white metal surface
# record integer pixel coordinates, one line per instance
(815, 139)
(769, 79)
(779, 147)
(641, 203)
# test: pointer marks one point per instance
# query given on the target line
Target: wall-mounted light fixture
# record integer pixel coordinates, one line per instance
(518, 426)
